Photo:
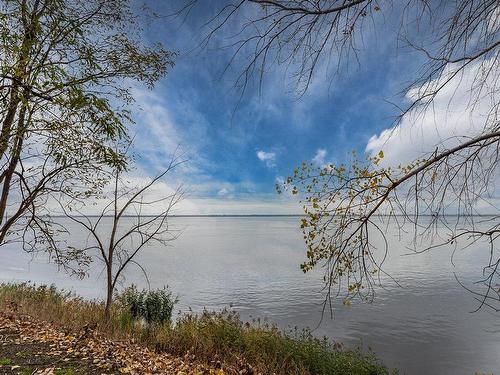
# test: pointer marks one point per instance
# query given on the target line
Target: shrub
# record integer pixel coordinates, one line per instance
(155, 306)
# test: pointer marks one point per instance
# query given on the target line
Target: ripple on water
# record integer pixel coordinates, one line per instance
(422, 326)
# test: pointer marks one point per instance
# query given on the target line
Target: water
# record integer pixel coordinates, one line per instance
(422, 326)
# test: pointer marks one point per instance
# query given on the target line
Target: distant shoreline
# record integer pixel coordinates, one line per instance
(267, 215)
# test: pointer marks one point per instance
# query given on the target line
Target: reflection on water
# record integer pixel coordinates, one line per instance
(423, 326)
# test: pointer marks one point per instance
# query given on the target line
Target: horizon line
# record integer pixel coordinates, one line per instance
(268, 215)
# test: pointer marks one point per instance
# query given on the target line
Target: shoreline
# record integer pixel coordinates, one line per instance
(210, 342)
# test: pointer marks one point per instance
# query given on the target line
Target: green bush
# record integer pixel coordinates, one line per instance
(155, 306)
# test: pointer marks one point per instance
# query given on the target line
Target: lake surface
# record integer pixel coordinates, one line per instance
(251, 264)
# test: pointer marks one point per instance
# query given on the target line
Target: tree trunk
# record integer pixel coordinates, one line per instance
(109, 294)
(15, 156)
(9, 119)
(19, 76)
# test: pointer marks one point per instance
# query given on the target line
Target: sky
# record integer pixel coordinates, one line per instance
(238, 144)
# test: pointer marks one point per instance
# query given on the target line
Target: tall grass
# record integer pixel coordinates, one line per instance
(210, 336)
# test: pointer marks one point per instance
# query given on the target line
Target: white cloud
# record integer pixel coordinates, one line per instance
(223, 192)
(449, 118)
(256, 205)
(494, 21)
(319, 158)
(280, 180)
(267, 157)
(158, 135)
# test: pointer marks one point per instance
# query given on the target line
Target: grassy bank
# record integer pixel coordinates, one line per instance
(209, 337)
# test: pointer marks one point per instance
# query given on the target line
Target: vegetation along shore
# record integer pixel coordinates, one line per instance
(44, 329)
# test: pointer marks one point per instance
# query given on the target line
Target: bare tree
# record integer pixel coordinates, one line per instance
(343, 203)
(65, 71)
(137, 220)
(301, 34)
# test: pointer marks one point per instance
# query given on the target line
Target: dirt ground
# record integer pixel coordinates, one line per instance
(29, 347)
(21, 353)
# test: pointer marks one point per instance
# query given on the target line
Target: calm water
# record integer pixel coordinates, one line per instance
(423, 326)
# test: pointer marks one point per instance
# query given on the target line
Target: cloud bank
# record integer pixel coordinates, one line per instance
(451, 117)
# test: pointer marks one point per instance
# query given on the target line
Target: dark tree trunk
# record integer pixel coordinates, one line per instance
(16, 153)
(109, 294)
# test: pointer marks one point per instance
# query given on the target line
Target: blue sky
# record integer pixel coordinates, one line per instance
(238, 149)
